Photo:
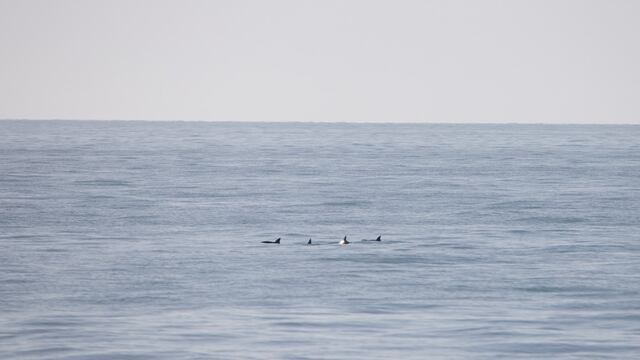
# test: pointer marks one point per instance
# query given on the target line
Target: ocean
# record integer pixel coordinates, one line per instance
(142, 240)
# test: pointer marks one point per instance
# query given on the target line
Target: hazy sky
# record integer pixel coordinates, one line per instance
(406, 61)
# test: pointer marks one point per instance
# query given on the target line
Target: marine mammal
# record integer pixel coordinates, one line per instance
(277, 241)
(344, 241)
(379, 238)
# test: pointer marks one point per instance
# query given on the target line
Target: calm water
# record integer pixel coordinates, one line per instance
(134, 240)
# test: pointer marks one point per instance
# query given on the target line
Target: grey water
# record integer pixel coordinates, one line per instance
(141, 240)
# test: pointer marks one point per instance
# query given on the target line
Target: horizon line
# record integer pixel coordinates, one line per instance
(323, 122)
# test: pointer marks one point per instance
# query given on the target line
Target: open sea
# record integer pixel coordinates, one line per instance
(142, 240)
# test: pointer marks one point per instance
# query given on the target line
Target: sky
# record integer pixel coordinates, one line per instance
(475, 61)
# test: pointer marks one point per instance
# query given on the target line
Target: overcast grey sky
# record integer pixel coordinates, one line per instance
(558, 61)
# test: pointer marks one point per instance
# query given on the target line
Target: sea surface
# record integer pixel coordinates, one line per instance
(142, 240)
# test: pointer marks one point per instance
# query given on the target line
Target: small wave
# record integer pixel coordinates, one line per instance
(555, 348)
(577, 248)
(519, 231)
(102, 182)
(347, 203)
(516, 205)
(562, 289)
(552, 219)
